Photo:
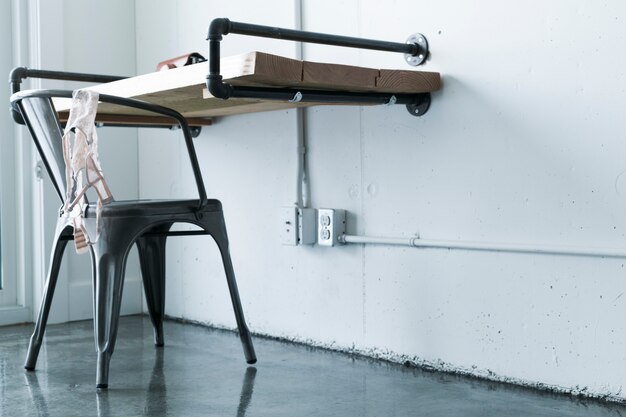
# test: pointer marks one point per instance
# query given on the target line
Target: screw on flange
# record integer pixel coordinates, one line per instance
(422, 50)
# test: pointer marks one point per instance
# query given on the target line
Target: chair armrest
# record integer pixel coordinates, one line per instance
(137, 104)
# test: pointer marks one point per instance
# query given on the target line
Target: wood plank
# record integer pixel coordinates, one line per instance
(184, 90)
(128, 119)
(245, 69)
(264, 69)
(342, 77)
(211, 108)
(395, 80)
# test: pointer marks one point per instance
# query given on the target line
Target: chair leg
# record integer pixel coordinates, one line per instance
(217, 229)
(109, 278)
(46, 300)
(152, 260)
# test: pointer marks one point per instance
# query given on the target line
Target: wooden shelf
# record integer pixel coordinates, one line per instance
(184, 89)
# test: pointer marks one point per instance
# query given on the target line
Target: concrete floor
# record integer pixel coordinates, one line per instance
(201, 372)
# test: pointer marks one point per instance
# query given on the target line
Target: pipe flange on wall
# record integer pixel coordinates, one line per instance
(422, 50)
(420, 106)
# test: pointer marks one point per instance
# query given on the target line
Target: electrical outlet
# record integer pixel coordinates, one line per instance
(289, 226)
(331, 223)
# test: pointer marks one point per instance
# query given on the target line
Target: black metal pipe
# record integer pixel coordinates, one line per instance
(322, 96)
(321, 38)
(18, 74)
(195, 130)
(224, 26)
(215, 85)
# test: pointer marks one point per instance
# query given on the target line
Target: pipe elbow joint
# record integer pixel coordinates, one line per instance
(17, 74)
(217, 28)
(217, 88)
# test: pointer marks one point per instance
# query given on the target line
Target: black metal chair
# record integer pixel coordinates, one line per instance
(123, 223)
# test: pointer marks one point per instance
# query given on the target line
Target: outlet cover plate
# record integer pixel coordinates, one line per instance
(331, 223)
(307, 226)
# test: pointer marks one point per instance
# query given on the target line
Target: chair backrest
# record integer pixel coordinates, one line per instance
(40, 116)
(43, 124)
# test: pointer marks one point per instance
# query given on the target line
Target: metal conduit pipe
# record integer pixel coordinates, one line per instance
(416, 242)
(302, 189)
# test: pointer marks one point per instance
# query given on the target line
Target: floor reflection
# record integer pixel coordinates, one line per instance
(102, 403)
(36, 394)
(203, 375)
(246, 391)
(156, 400)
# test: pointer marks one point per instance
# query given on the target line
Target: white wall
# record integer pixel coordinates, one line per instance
(90, 37)
(105, 45)
(524, 143)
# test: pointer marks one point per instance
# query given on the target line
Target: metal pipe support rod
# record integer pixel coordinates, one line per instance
(320, 38)
(18, 74)
(488, 246)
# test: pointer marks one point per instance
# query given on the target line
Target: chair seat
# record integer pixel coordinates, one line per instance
(131, 208)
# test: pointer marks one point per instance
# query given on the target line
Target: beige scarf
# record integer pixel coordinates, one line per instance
(82, 166)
